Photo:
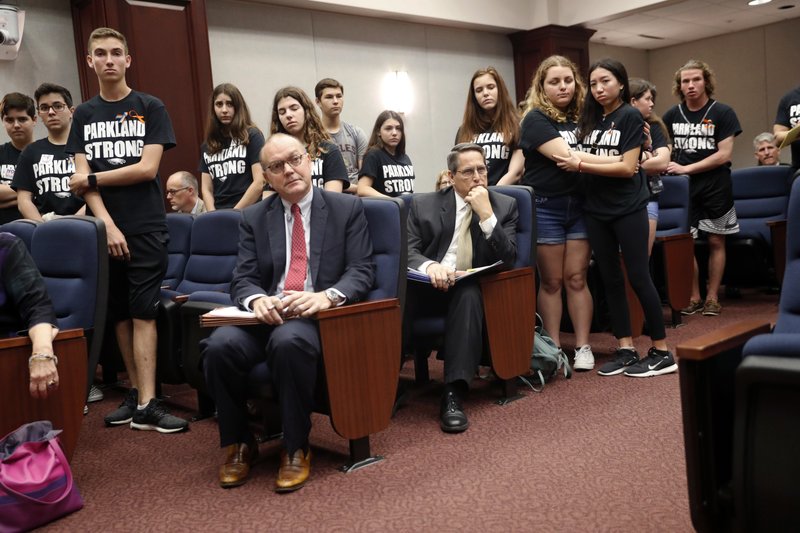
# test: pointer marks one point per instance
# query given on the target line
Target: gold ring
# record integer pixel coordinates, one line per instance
(270, 308)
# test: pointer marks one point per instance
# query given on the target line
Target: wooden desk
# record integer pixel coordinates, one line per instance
(64, 406)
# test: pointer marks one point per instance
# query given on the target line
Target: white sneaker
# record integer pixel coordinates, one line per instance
(584, 358)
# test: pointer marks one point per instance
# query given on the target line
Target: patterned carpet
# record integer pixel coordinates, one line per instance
(588, 454)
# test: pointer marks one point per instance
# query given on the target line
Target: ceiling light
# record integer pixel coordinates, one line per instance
(758, 2)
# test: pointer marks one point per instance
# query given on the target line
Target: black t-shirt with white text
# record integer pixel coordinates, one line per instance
(606, 197)
(231, 169)
(44, 170)
(113, 135)
(9, 156)
(496, 152)
(696, 134)
(541, 172)
(789, 116)
(328, 166)
(391, 175)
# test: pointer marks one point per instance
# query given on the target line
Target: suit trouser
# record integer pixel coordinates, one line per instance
(292, 352)
(462, 306)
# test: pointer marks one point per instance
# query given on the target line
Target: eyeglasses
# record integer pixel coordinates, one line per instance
(173, 192)
(469, 173)
(276, 167)
(57, 107)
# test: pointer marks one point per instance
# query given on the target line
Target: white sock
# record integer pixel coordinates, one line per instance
(141, 407)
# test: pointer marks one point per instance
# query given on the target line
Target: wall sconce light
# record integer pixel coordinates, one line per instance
(398, 94)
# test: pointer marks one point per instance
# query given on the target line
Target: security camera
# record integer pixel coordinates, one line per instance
(9, 27)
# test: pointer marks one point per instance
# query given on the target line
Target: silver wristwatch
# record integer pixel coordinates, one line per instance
(334, 297)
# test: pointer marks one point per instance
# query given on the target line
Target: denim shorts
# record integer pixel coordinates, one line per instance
(559, 219)
(652, 210)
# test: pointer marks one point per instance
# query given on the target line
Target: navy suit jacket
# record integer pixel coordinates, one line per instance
(431, 224)
(340, 249)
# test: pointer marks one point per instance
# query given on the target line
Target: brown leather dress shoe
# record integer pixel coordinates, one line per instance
(294, 471)
(238, 459)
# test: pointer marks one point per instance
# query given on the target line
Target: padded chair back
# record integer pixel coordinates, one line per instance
(22, 228)
(765, 468)
(673, 206)
(789, 305)
(72, 255)
(526, 225)
(386, 219)
(760, 194)
(179, 226)
(212, 254)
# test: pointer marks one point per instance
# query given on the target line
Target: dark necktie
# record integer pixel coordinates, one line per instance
(296, 278)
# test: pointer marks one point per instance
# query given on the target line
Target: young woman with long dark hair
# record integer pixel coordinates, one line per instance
(612, 136)
(491, 121)
(656, 151)
(387, 169)
(230, 170)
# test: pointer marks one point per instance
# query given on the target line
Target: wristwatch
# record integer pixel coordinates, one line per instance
(92, 178)
(334, 297)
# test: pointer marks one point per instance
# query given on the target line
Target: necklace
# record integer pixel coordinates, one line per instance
(702, 121)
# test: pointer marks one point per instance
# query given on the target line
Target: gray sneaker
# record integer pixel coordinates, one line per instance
(623, 358)
(95, 394)
(155, 417)
(124, 413)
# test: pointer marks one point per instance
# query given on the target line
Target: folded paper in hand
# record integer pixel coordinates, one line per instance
(416, 275)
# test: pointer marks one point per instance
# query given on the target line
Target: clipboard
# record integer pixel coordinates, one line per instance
(791, 136)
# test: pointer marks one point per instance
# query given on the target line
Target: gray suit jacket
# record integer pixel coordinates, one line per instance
(340, 250)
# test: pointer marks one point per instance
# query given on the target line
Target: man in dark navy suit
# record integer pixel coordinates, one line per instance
(449, 231)
(301, 251)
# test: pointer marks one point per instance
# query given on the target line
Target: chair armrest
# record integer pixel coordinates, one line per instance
(64, 406)
(678, 254)
(721, 340)
(509, 306)
(707, 366)
(191, 335)
(777, 229)
(361, 352)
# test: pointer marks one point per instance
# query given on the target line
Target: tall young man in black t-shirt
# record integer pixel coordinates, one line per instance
(44, 168)
(19, 117)
(118, 138)
(702, 131)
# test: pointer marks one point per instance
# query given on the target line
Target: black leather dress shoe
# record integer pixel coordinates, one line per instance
(453, 418)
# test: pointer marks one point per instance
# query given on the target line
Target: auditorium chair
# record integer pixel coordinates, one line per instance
(179, 227)
(509, 300)
(740, 417)
(213, 247)
(360, 344)
(760, 196)
(673, 250)
(22, 228)
(72, 255)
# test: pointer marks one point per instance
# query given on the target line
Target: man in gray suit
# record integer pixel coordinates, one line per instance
(449, 231)
(301, 251)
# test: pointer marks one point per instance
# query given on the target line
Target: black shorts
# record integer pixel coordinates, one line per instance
(711, 202)
(135, 286)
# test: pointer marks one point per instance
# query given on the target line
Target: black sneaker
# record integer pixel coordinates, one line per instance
(155, 418)
(124, 413)
(656, 363)
(623, 357)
